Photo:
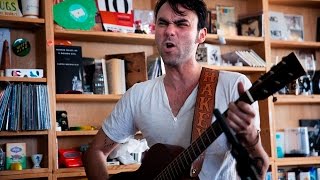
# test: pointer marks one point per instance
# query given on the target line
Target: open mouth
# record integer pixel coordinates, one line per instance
(169, 45)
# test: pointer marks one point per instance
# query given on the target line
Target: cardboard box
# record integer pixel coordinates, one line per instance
(16, 152)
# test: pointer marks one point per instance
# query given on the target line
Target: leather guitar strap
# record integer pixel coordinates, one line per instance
(203, 111)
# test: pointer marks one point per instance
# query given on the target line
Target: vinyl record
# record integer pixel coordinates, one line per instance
(75, 14)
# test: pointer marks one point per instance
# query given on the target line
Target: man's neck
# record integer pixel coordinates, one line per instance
(182, 77)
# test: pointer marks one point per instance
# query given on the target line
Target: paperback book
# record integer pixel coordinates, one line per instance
(68, 61)
(135, 67)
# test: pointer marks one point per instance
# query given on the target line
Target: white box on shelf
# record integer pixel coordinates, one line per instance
(30, 73)
(297, 141)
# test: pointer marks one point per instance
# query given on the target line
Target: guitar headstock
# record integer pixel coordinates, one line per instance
(286, 71)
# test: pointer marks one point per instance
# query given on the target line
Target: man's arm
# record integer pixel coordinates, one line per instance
(241, 118)
(95, 157)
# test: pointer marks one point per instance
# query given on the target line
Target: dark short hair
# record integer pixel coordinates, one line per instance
(197, 6)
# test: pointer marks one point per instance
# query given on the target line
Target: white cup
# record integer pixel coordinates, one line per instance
(30, 8)
(36, 159)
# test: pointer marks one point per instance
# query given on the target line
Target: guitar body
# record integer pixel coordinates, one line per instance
(154, 161)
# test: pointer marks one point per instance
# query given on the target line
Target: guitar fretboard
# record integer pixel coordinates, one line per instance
(183, 161)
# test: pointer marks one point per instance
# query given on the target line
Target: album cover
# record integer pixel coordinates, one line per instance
(62, 120)
(278, 29)
(226, 20)
(294, 24)
(209, 54)
(88, 71)
(116, 16)
(250, 26)
(313, 126)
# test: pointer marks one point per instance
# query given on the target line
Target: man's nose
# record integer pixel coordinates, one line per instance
(170, 30)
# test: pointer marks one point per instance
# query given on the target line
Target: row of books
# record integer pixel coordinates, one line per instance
(211, 54)
(24, 107)
(246, 57)
(312, 173)
(74, 73)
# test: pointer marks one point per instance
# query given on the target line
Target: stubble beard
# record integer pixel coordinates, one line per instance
(178, 58)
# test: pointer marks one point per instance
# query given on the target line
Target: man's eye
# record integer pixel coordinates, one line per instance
(161, 23)
(182, 24)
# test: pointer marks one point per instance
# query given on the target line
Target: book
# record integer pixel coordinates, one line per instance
(117, 16)
(212, 21)
(5, 35)
(278, 29)
(116, 76)
(250, 25)
(88, 70)
(226, 20)
(16, 153)
(68, 61)
(135, 66)
(209, 54)
(5, 99)
(101, 63)
(313, 126)
(10, 8)
(62, 119)
(294, 24)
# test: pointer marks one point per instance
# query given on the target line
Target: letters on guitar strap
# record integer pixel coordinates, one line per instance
(203, 111)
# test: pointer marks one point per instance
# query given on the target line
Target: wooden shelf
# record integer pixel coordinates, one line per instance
(304, 3)
(235, 40)
(87, 98)
(70, 172)
(301, 161)
(23, 79)
(143, 39)
(102, 36)
(23, 133)
(20, 22)
(77, 133)
(295, 44)
(297, 99)
(243, 69)
(26, 173)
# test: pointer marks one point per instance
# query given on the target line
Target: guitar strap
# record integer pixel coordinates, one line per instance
(203, 111)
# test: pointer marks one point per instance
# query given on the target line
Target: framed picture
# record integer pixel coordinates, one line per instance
(277, 26)
(294, 27)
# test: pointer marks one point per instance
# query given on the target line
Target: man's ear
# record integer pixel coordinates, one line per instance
(202, 35)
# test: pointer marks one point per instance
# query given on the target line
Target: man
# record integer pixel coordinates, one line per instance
(162, 109)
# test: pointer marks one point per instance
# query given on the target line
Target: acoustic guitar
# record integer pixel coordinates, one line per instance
(168, 162)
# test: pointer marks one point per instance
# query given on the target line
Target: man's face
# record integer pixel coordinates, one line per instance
(176, 36)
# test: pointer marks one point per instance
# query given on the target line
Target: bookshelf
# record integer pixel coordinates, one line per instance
(39, 33)
(92, 109)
